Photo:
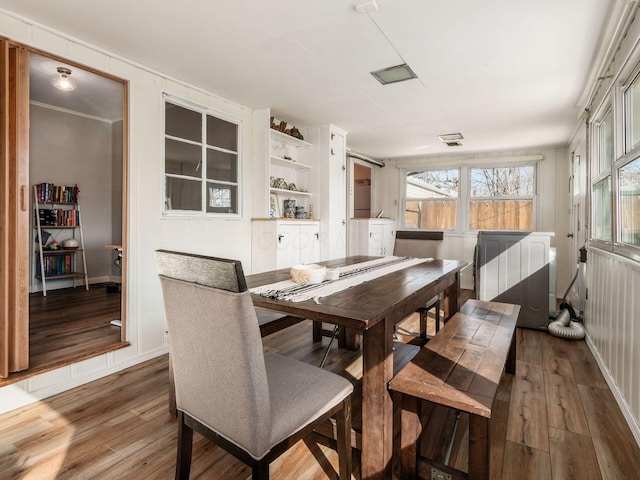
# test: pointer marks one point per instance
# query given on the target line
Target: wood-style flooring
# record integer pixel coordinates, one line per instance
(557, 419)
(69, 325)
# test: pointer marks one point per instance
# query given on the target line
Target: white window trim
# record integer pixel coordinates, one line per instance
(166, 97)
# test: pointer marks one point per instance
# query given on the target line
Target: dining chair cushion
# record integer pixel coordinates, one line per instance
(300, 393)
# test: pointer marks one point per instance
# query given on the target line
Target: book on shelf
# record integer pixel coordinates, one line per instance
(53, 217)
(51, 193)
(56, 265)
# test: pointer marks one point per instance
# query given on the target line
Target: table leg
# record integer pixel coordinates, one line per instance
(451, 298)
(377, 407)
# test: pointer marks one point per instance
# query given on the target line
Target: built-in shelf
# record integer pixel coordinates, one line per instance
(288, 139)
(283, 162)
(290, 192)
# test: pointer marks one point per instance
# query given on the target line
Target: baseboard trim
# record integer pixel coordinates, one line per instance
(622, 403)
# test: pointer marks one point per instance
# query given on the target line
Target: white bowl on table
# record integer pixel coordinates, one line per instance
(311, 273)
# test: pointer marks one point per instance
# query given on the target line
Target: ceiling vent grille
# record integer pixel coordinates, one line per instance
(451, 139)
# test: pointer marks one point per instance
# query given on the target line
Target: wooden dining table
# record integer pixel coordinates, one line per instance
(371, 310)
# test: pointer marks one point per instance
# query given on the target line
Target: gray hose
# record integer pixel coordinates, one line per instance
(563, 327)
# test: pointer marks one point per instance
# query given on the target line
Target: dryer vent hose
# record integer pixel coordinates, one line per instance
(564, 327)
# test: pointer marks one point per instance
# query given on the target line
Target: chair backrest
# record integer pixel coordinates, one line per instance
(419, 244)
(208, 271)
(216, 349)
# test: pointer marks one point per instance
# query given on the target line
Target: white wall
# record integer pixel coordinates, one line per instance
(553, 200)
(147, 229)
(69, 149)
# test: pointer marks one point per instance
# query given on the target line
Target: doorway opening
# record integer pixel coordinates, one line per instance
(77, 138)
(362, 179)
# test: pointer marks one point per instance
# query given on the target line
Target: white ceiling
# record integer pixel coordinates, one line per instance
(507, 74)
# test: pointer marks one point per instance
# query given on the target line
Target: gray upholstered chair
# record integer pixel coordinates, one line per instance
(422, 244)
(253, 404)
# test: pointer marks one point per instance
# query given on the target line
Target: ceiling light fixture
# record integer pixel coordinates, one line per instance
(62, 81)
(396, 74)
(451, 139)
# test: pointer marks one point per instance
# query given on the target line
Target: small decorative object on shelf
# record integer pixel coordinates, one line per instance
(295, 133)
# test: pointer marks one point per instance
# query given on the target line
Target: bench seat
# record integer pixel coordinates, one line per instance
(459, 368)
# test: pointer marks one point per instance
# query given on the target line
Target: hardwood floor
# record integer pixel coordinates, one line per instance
(69, 325)
(557, 420)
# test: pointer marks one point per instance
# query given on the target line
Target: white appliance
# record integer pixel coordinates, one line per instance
(518, 267)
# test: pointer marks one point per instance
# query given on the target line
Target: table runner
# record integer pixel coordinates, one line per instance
(350, 275)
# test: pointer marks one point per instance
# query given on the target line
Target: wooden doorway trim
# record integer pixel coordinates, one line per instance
(14, 204)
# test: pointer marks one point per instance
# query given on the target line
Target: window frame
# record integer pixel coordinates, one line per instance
(623, 153)
(205, 182)
(464, 199)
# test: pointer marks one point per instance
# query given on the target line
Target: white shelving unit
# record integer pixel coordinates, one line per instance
(270, 148)
(61, 263)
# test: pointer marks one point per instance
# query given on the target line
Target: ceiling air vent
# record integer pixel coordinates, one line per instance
(451, 139)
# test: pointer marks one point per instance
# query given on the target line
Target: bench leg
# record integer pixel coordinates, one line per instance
(478, 448)
(407, 427)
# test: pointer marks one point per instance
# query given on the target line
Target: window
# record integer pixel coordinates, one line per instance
(632, 115)
(602, 210)
(502, 198)
(201, 160)
(605, 144)
(496, 198)
(629, 199)
(431, 199)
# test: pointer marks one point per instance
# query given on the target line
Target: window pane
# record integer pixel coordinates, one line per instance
(222, 166)
(503, 182)
(602, 209)
(221, 198)
(182, 122)
(501, 215)
(438, 213)
(432, 199)
(605, 144)
(183, 194)
(182, 158)
(629, 198)
(222, 134)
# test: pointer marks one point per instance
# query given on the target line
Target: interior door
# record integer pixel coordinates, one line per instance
(14, 205)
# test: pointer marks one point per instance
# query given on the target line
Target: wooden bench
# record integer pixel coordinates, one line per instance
(459, 368)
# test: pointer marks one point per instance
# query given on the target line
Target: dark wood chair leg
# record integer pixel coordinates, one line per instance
(172, 391)
(437, 307)
(343, 438)
(260, 471)
(185, 444)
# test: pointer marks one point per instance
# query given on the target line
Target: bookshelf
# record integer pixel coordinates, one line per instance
(56, 220)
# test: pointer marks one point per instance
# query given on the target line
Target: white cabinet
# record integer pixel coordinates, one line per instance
(281, 158)
(371, 236)
(330, 149)
(282, 243)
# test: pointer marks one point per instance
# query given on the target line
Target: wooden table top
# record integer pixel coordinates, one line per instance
(364, 305)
